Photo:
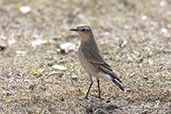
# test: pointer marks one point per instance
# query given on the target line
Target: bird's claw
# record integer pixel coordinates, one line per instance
(84, 98)
(99, 97)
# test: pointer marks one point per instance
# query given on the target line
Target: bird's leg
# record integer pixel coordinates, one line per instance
(98, 84)
(99, 95)
(91, 83)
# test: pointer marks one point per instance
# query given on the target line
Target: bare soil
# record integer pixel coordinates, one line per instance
(133, 35)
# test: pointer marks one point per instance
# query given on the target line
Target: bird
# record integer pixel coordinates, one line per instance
(92, 61)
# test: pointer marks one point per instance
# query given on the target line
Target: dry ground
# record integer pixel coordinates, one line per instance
(133, 35)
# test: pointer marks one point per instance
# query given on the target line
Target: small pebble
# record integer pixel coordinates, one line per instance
(2, 45)
(67, 47)
(25, 9)
(11, 42)
(56, 73)
(144, 17)
(164, 30)
(128, 90)
(59, 67)
(145, 77)
(74, 77)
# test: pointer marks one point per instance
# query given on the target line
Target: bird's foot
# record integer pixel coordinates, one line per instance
(99, 97)
(84, 98)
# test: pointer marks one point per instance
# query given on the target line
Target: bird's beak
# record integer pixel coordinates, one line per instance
(73, 29)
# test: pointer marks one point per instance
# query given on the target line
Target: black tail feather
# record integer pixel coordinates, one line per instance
(114, 81)
(115, 77)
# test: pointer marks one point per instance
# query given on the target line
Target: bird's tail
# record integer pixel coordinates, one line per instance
(115, 77)
(118, 84)
(115, 80)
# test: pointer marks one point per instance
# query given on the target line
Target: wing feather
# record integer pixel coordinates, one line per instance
(95, 58)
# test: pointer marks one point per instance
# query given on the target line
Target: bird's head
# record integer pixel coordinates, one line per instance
(86, 35)
(83, 30)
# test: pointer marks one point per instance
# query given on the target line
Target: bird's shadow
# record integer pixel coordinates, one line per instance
(94, 105)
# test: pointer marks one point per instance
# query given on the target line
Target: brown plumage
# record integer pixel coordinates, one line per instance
(91, 59)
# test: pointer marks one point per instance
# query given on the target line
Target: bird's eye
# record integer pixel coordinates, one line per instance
(83, 30)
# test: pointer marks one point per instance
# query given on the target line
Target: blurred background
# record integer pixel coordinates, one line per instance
(39, 72)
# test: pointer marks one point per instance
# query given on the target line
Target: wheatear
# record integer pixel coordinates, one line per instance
(91, 60)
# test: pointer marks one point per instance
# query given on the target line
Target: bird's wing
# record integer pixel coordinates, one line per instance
(95, 58)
